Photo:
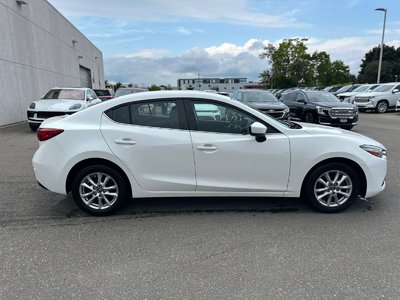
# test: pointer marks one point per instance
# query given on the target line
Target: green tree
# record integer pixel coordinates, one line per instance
(340, 72)
(321, 68)
(291, 65)
(370, 64)
(154, 87)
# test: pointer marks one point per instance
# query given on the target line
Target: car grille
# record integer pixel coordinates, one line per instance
(361, 99)
(339, 112)
(273, 113)
(47, 114)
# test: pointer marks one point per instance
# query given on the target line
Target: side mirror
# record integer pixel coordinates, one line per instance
(395, 91)
(302, 101)
(93, 102)
(258, 130)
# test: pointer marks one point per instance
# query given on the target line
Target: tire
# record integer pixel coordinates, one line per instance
(33, 127)
(349, 127)
(96, 195)
(309, 118)
(381, 107)
(336, 194)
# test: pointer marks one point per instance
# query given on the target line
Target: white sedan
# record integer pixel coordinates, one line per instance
(60, 101)
(118, 150)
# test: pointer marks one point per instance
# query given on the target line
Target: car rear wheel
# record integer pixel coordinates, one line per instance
(309, 118)
(382, 107)
(332, 187)
(99, 190)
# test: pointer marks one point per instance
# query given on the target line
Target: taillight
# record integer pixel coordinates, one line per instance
(44, 134)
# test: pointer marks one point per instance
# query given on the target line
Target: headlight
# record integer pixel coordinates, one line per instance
(356, 110)
(286, 110)
(32, 105)
(321, 110)
(75, 106)
(374, 150)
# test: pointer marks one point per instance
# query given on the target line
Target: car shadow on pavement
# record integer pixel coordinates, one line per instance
(149, 207)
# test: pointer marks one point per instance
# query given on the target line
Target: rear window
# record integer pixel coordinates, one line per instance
(102, 92)
(162, 114)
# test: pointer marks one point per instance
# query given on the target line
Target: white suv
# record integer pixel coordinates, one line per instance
(381, 99)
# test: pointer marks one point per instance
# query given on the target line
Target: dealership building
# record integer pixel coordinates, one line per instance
(41, 49)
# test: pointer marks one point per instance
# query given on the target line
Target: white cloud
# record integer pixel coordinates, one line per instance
(228, 11)
(350, 50)
(145, 53)
(156, 66)
(183, 31)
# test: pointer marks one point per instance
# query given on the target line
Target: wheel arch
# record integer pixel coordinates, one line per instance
(382, 100)
(90, 162)
(346, 161)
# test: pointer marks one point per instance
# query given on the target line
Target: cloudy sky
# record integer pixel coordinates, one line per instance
(158, 41)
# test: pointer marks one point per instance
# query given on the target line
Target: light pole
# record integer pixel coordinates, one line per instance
(383, 36)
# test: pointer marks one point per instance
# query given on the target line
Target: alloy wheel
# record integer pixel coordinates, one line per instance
(98, 191)
(333, 188)
(382, 107)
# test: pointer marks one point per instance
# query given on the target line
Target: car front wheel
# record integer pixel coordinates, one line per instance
(309, 118)
(332, 187)
(99, 190)
(382, 107)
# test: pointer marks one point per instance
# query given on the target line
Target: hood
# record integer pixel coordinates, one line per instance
(369, 94)
(315, 129)
(334, 104)
(348, 94)
(57, 105)
(267, 105)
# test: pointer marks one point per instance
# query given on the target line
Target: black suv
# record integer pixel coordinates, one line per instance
(320, 107)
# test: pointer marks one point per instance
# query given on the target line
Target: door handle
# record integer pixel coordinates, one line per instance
(125, 141)
(207, 147)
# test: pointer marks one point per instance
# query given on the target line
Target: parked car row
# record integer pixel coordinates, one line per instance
(311, 106)
(375, 97)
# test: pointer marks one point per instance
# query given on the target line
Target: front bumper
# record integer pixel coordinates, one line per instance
(365, 105)
(37, 117)
(326, 120)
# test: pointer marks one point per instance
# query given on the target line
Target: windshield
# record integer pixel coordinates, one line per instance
(384, 88)
(102, 92)
(343, 89)
(321, 97)
(69, 94)
(259, 96)
(362, 88)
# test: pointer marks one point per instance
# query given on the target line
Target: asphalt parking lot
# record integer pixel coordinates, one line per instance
(196, 248)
